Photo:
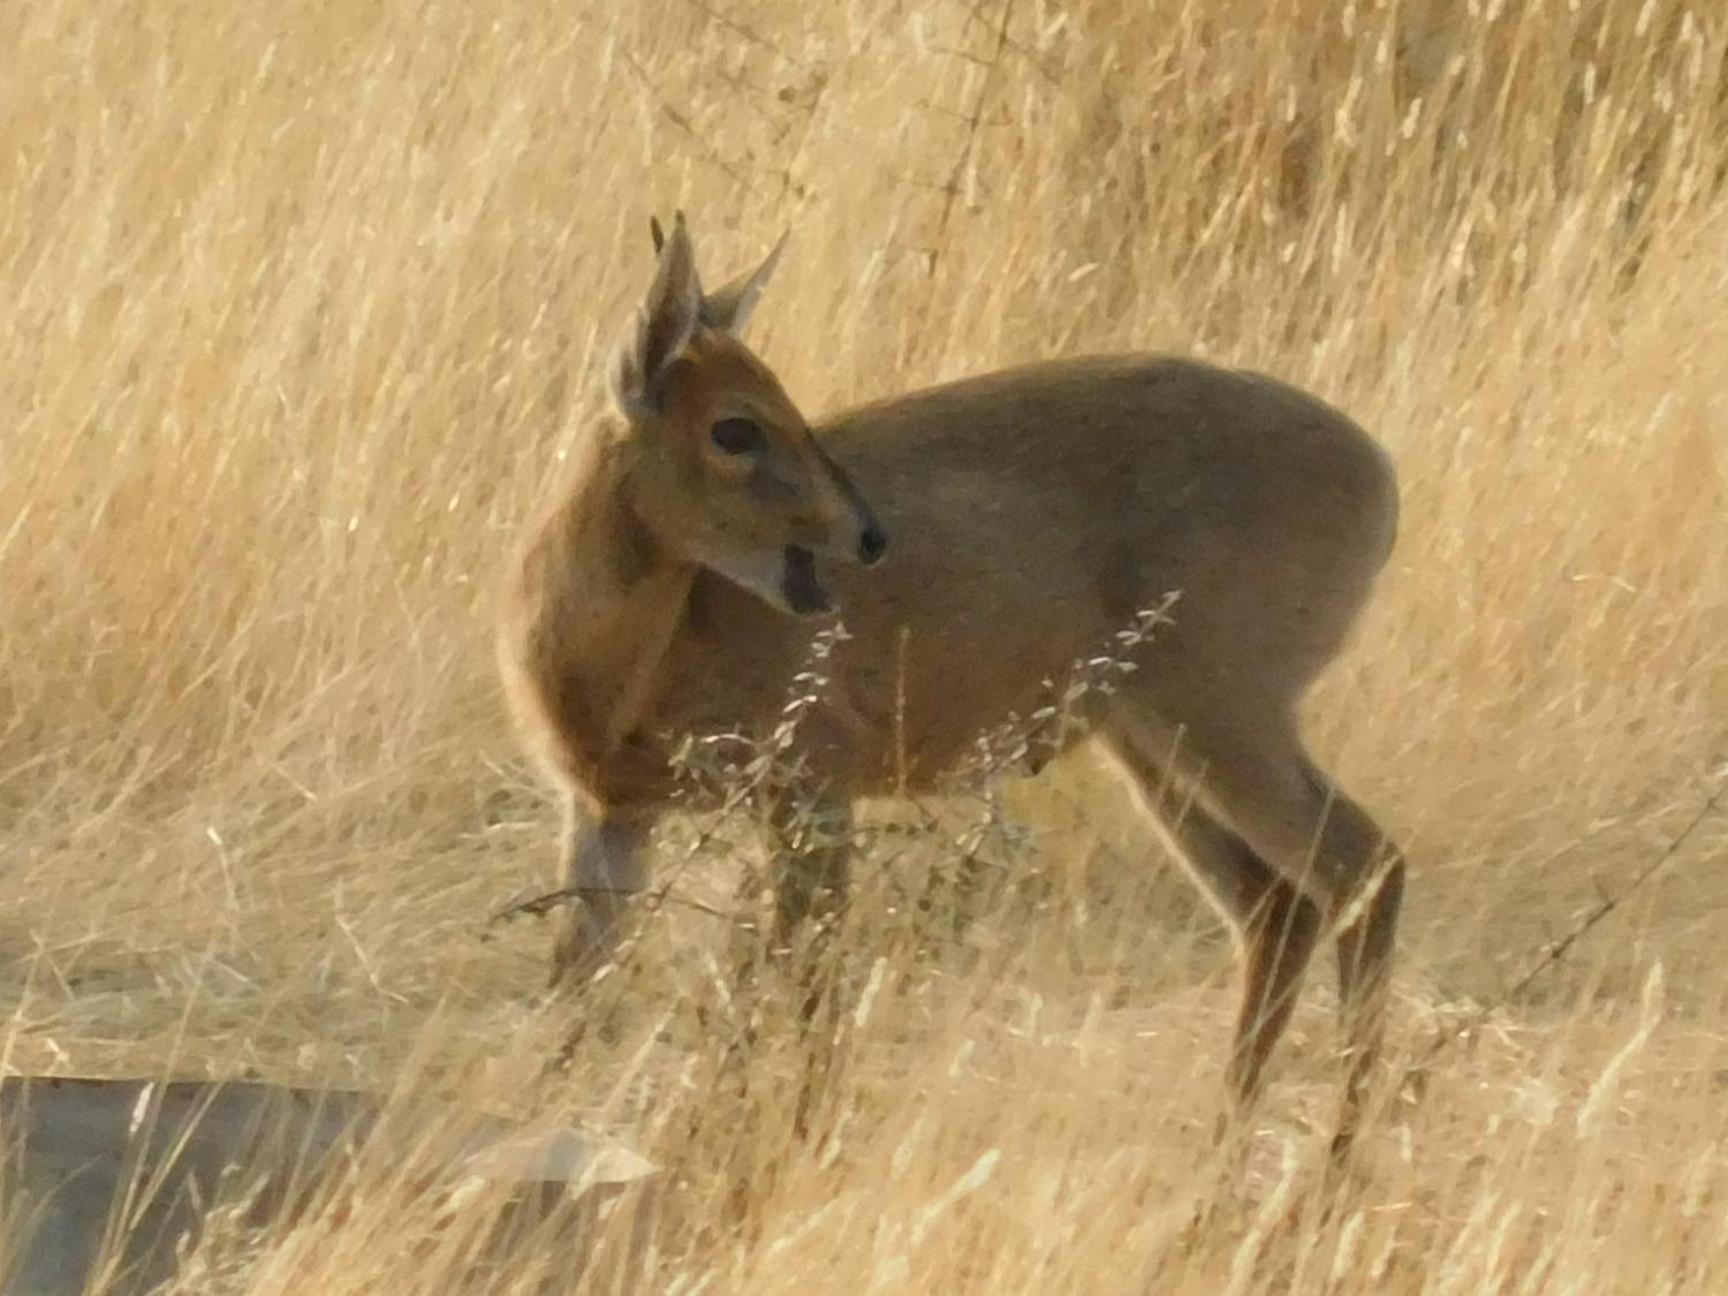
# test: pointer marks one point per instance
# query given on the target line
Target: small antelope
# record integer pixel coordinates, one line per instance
(1034, 512)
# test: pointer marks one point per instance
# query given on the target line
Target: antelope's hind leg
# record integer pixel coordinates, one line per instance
(1276, 926)
(1288, 855)
(1364, 976)
(1315, 836)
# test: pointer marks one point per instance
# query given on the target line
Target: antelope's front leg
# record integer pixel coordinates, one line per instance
(812, 865)
(604, 871)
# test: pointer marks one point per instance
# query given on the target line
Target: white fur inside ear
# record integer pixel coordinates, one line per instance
(662, 328)
(729, 308)
(631, 381)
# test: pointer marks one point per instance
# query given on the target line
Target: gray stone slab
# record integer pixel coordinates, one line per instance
(111, 1179)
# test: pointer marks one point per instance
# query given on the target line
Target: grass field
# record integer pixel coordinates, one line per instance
(302, 305)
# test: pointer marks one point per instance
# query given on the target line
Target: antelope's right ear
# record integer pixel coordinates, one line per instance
(731, 305)
(663, 325)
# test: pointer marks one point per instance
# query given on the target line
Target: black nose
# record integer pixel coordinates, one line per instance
(872, 544)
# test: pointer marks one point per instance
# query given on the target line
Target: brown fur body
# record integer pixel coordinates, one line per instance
(1035, 513)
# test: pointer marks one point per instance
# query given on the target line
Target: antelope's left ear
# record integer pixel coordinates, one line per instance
(662, 328)
(728, 308)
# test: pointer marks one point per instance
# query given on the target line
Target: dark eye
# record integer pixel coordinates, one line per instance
(737, 436)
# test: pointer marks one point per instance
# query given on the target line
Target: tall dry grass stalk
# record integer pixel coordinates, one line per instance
(302, 305)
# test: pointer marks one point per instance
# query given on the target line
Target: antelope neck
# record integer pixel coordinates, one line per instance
(628, 596)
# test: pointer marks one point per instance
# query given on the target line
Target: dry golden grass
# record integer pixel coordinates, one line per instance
(302, 303)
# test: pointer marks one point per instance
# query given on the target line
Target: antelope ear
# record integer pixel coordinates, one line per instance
(663, 326)
(729, 308)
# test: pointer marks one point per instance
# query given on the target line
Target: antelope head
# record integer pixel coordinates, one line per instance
(727, 475)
